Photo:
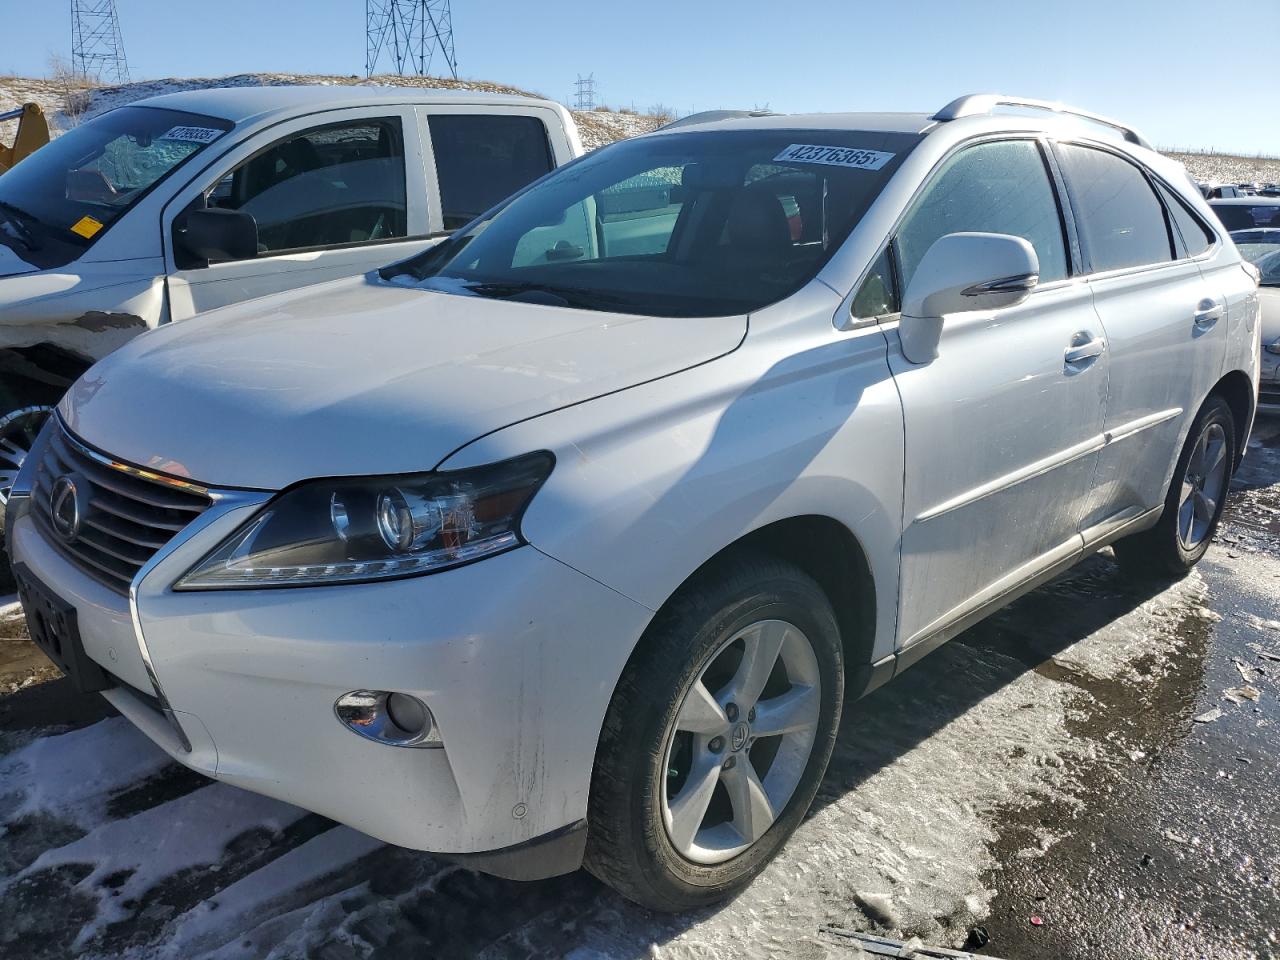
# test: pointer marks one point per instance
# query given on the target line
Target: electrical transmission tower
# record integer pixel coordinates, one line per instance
(97, 52)
(411, 33)
(584, 97)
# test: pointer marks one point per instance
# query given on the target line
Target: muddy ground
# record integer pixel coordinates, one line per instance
(1047, 765)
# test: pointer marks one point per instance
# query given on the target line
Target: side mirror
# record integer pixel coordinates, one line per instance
(962, 272)
(215, 234)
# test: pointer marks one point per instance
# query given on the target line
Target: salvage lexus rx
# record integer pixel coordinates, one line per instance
(565, 541)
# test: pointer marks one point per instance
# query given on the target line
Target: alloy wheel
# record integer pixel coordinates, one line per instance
(1204, 483)
(18, 432)
(740, 741)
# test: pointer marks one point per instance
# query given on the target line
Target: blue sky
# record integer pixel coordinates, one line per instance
(1177, 70)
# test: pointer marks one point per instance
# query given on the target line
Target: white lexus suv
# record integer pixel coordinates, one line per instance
(565, 541)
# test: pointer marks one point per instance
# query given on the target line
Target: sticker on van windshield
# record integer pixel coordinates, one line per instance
(835, 156)
(192, 134)
(86, 227)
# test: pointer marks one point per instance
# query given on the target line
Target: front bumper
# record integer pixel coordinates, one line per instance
(516, 656)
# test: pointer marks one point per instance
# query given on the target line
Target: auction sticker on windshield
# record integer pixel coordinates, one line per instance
(86, 227)
(835, 156)
(192, 134)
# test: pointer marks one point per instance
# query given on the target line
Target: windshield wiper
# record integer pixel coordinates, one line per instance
(514, 289)
(14, 220)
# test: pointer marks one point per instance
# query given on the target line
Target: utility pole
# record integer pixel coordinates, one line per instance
(409, 35)
(97, 51)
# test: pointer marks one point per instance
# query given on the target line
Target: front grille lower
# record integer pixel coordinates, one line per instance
(128, 516)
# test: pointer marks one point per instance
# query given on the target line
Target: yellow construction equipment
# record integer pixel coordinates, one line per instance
(33, 133)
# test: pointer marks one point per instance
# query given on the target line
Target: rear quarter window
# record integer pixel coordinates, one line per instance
(1193, 236)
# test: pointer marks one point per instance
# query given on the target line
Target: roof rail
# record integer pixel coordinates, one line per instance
(711, 116)
(981, 104)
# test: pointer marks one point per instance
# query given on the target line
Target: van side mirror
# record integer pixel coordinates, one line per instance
(963, 272)
(217, 234)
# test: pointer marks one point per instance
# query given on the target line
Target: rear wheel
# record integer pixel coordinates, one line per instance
(1194, 503)
(717, 736)
(18, 432)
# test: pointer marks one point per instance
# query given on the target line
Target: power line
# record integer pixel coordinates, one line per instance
(97, 50)
(410, 34)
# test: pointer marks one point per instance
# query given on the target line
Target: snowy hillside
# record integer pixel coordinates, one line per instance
(67, 105)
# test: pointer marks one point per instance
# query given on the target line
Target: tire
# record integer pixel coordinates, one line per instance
(1172, 547)
(646, 769)
(18, 429)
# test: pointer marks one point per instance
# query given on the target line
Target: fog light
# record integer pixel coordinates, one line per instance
(396, 719)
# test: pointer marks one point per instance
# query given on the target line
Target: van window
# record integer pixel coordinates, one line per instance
(1191, 237)
(483, 159)
(1000, 187)
(1121, 220)
(878, 296)
(329, 186)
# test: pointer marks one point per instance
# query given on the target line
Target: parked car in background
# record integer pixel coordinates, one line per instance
(1262, 249)
(1216, 191)
(565, 540)
(1246, 213)
(171, 206)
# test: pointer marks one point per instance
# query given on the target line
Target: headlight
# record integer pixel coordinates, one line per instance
(349, 531)
(1273, 347)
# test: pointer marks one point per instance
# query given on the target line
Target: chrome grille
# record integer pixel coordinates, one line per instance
(128, 515)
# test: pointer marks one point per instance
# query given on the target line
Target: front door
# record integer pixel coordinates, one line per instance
(1003, 428)
(334, 195)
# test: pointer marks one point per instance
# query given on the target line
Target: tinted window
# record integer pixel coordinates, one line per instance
(328, 186)
(1246, 216)
(878, 294)
(1193, 236)
(481, 160)
(683, 224)
(991, 188)
(1120, 219)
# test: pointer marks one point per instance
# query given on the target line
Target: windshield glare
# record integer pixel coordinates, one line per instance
(1262, 249)
(682, 224)
(63, 197)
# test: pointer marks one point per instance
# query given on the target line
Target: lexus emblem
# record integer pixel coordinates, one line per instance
(65, 509)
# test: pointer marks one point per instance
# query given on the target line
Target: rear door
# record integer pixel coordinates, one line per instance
(334, 195)
(1165, 326)
(1003, 427)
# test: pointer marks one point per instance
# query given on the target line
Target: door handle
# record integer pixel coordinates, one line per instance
(1208, 312)
(1084, 348)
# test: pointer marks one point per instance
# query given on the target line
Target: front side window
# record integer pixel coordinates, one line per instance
(329, 186)
(681, 224)
(56, 204)
(1000, 187)
(1121, 220)
(482, 159)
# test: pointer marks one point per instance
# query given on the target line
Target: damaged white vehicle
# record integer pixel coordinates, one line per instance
(171, 206)
(566, 540)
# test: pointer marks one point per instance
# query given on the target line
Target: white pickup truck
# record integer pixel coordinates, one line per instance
(175, 205)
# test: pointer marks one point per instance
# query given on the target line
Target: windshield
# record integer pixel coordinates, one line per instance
(676, 225)
(57, 202)
(1262, 249)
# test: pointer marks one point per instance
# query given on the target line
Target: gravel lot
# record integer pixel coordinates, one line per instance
(1046, 764)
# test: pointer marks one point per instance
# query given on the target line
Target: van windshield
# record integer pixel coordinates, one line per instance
(57, 202)
(680, 225)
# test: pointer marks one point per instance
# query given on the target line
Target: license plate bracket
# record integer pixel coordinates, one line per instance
(54, 627)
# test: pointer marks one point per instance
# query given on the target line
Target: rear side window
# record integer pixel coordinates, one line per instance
(1120, 219)
(1000, 187)
(1191, 236)
(483, 159)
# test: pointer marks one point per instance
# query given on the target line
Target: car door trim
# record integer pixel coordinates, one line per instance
(1052, 462)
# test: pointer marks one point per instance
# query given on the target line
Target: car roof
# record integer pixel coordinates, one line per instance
(239, 104)
(1245, 201)
(741, 120)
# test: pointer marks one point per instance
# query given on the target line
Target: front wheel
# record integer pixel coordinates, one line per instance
(717, 737)
(18, 431)
(1194, 503)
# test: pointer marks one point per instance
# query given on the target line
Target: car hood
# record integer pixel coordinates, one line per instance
(360, 377)
(11, 264)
